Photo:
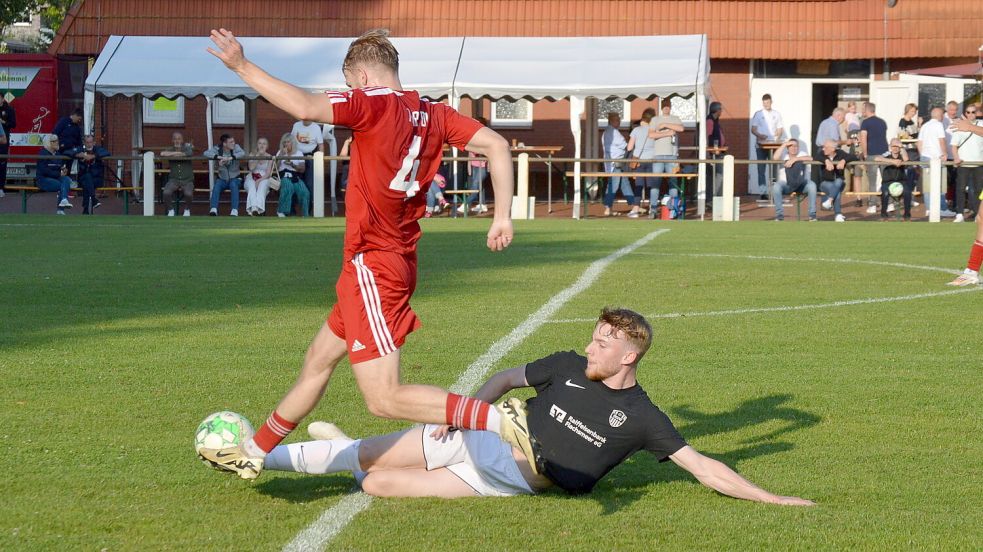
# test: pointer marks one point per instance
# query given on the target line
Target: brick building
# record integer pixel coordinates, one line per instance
(810, 55)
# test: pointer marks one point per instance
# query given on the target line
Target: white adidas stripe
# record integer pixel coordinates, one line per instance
(373, 307)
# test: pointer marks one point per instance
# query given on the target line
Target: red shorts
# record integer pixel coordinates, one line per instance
(373, 313)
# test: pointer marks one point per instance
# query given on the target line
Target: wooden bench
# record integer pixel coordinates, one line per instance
(454, 194)
(681, 175)
(25, 190)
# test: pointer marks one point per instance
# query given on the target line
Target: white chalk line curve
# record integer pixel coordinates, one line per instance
(319, 533)
(788, 308)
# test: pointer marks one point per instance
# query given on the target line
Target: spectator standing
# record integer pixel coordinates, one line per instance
(793, 176)
(615, 147)
(8, 120)
(667, 128)
(309, 138)
(851, 118)
(892, 172)
(967, 147)
(873, 143)
(181, 174)
(908, 128)
(832, 177)
(829, 129)
(69, 131)
(951, 114)
(477, 171)
(642, 147)
(227, 154)
(91, 171)
(258, 179)
(931, 145)
(52, 173)
(291, 168)
(715, 139)
(766, 126)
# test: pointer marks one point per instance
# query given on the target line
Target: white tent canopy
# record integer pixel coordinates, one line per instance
(496, 67)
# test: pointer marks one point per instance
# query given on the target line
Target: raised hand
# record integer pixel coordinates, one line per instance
(229, 50)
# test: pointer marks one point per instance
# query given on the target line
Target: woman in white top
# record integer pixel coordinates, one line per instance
(258, 179)
(641, 144)
(290, 167)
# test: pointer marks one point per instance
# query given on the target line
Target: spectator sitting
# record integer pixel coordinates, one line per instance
(792, 177)
(227, 153)
(831, 179)
(52, 173)
(892, 172)
(435, 196)
(69, 132)
(181, 174)
(91, 171)
(615, 147)
(308, 138)
(258, 179)
(290, 166)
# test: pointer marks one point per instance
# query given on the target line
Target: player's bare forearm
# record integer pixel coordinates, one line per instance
(490, 144)
(719, 477)
(298, 102)
(501, 383)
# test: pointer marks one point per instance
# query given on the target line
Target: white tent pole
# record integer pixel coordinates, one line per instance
(88, 108)
(137, 140)
(576, 109)
(211, 140)
(327, 134)
(456, 104)
(701, 186)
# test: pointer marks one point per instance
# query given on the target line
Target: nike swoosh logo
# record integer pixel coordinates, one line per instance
(221, 454)
(572, 384)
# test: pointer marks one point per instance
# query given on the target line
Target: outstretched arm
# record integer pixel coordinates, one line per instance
(719, 477)
(501, 383)
(295, 101)
(490, 144)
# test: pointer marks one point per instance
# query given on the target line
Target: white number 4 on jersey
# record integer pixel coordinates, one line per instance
(405, 179)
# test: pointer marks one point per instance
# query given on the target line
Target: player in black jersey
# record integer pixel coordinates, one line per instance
(589, 415)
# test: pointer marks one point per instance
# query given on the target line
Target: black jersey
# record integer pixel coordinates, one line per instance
(584, 428)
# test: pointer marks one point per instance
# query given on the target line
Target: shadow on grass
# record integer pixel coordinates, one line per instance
(628, 482)
(307, 488)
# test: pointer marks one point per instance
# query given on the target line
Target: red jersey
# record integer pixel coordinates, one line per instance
(397, 146)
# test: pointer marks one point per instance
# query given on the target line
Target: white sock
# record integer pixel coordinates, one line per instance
(316, 457)
(494, 420)
(971, 272)
(252, 449)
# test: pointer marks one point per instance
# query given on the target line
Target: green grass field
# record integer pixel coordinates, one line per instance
(119, 334)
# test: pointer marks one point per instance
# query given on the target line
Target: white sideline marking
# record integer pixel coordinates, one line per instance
(318, 534)
(786, 308)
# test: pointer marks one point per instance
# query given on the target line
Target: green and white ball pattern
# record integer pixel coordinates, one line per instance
(895, 189)
(221, 430)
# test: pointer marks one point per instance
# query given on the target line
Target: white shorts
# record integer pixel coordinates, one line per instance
(480, 458)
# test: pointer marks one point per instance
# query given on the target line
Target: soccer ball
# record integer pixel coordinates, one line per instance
(895, 189)
(221, 430)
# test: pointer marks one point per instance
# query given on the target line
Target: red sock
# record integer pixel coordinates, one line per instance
(273, 431)
(975, 256)
(467, 412)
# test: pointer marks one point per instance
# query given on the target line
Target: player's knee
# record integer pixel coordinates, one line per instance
(378, 484)
(381, 405)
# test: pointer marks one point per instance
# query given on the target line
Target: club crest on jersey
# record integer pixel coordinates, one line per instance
(617, 418)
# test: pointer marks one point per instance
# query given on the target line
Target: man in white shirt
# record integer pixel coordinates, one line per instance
(308, 137)
(615, 147)
(967, 148)
(793, 177)
(931, 145)
(766, 126)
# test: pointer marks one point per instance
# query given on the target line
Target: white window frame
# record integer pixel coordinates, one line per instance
(511, 123)
(602, 118)
(228, 112)
(154, 117)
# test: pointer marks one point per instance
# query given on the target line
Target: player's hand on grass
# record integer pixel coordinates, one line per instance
(229, 49)
(793, 501)
(500, 234)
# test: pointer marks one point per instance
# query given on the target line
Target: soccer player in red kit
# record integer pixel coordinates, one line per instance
(398, 141)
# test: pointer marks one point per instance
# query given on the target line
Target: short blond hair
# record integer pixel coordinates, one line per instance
(637, 330)
(372, 48)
